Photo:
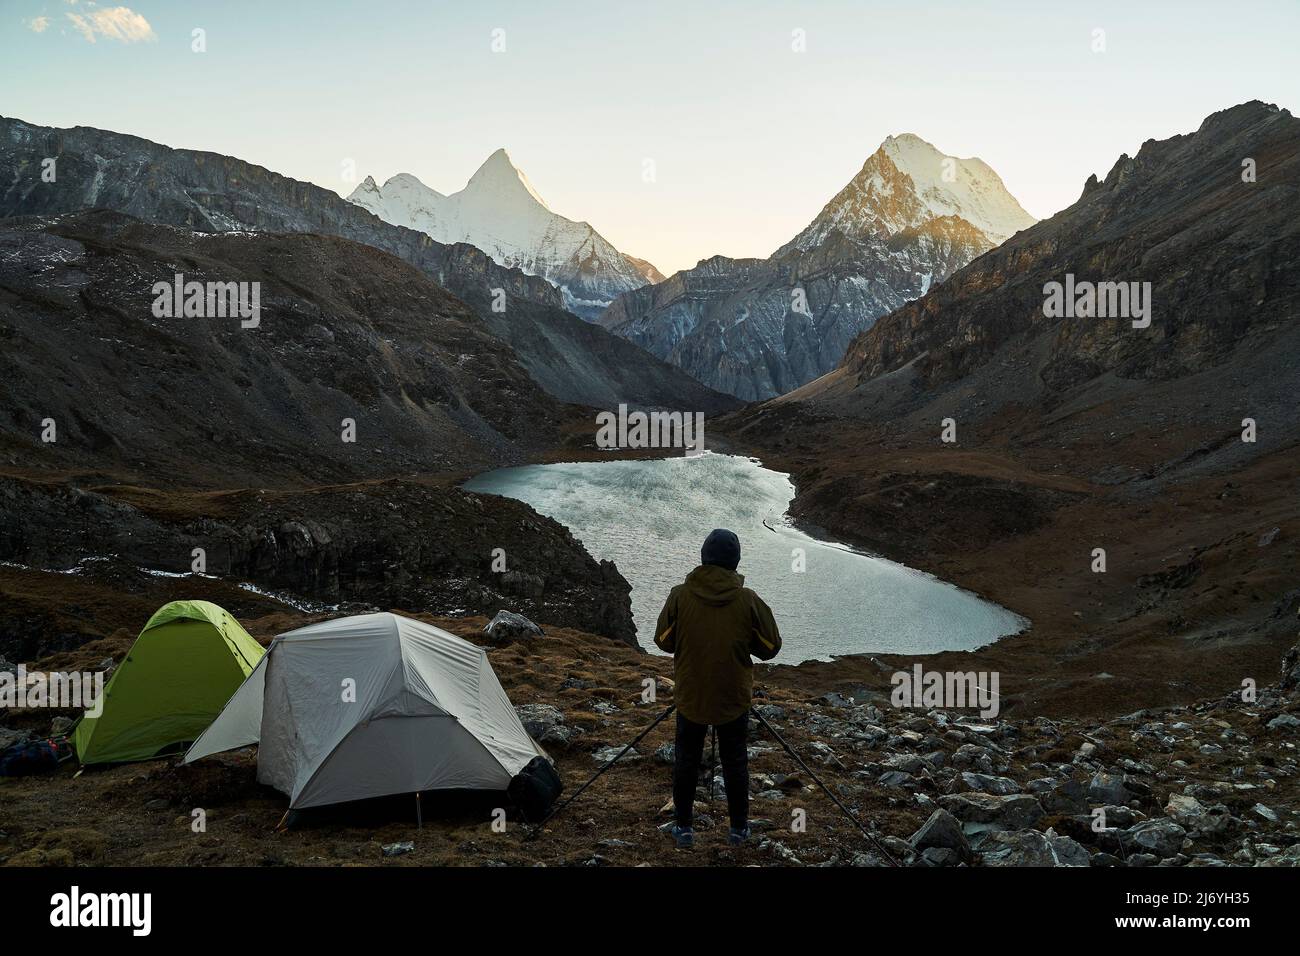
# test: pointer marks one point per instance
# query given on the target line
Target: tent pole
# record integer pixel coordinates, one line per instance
(419, 813)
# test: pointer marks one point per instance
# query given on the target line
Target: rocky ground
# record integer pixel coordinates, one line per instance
(1204, 784)
(1199, 591)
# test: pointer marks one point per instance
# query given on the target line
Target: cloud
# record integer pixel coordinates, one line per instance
(112, 23)
(38, 24)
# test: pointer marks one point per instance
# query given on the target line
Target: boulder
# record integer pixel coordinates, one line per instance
(1067, 794)
(1189, 812)
(908, 763)
(1160, 837)
(941, 830)
(558, 736)
(939, 856)
(539, 718)
(509, 626)
(1262, 811)
(1184, 809)
(836, 700)
(1109, 788)
(984, 783)
(987, 811)
(604, 755)
(1031, 848)
(895, 778)
(1290, 857)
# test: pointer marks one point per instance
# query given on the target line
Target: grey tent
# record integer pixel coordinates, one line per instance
(372, 705)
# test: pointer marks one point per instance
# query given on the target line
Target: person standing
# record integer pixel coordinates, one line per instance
(713, 625)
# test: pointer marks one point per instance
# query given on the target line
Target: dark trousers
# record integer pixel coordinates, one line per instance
(689, 753)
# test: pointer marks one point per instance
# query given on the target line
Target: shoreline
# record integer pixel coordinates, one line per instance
(792, 524)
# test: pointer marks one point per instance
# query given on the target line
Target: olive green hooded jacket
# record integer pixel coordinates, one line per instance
(712, 624)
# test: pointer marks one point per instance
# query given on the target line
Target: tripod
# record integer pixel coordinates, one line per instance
(641, 736)
(537, 829)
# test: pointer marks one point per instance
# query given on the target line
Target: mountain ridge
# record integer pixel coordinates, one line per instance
(204, 191)
(756, 328)
(499, 211)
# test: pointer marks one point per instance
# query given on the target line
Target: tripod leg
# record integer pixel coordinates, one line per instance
(713, 761)
(808, 770)
(641, 736)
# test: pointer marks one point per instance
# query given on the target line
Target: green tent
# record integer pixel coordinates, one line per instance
(187, 662)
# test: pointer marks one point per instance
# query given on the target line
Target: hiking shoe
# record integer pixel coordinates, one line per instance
(738, 837)
(684, 836)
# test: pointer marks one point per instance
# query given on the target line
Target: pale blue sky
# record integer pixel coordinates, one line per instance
(748, 137)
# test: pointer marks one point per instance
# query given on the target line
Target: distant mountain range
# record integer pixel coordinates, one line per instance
(499, 212)
(756, 328)
(573, 360)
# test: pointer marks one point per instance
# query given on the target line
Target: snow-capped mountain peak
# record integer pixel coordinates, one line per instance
(500, 177)
(950, 186)
(910, 218)
(408, 183)
(500, 212)
(907, 183)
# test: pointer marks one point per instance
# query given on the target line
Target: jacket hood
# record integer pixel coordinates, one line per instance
(714, 585)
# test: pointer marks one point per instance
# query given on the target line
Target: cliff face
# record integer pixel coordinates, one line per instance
(758, 328)
(209, 192)
(361, 546)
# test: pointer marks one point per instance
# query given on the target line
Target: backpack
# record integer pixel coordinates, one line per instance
(535, 789)
(29, 757)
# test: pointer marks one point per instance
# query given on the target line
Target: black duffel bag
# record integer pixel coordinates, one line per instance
(535, 789)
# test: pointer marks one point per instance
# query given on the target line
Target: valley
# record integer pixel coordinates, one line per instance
(382, 435)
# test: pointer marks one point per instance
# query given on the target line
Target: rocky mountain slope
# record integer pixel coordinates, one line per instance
(181, 433)
(499, 212)
(1218, 251)
(208, 192)
(345, 332)
(758, 328)
(1079, 434)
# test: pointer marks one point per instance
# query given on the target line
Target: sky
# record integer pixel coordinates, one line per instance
(679, 130)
